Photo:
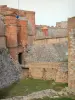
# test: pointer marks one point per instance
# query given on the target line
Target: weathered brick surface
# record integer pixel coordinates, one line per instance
(71, 23)
(53, 32)
(2, 34)
(3, 8)
(63, 24)
(50, 41)
(30, 40)
(31, 17)
(71, 69)
(11, 29)
(49, 71)
(11, 40)
(71, 63)
(2, 28)
(8, 20)
(2, 42)
(22, 33)
(14, 53)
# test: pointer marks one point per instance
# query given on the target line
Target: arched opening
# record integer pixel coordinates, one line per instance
(20, 58)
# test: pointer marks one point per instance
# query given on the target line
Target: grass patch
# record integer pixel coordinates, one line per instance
(59, 86)
(27, 86)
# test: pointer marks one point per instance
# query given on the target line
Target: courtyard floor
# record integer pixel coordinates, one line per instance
(27, 86)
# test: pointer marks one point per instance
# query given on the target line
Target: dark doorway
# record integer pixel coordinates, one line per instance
(20, 58)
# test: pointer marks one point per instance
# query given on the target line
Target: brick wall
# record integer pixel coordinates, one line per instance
(71, 60)
(16, 35)
(22, 32)
(49, 71)
(29, 15)
(11, 35)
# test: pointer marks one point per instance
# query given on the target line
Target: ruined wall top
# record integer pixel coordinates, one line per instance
(53, 32)
(63, 24)
(4, 10)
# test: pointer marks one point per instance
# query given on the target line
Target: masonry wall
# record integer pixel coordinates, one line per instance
(31, 17)
(51, 41)
(22, 35)
(17, 32)
(3, 42)
(71, 60)
(53, 32)
(9, 70)
(2, 34)
(63, 24)
(55, 71)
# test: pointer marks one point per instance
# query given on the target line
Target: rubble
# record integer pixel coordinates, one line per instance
(44, 93)
(9, 70)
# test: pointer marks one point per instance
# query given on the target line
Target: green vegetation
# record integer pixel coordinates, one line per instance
(27, 86)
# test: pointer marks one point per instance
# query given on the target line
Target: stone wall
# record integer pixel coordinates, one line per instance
(71, 63)
(56, 71)
(3, 42)
(2, 34)
(17, 29)
(63, 24)
(50, 41)
(71, 58)
(48, 52)
(53, 32)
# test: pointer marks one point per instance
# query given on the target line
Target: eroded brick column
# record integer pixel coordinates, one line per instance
(23, 32)
(11, 35)
(71, 58)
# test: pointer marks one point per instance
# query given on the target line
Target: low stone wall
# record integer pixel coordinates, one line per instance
(50, 41)
(49, 71)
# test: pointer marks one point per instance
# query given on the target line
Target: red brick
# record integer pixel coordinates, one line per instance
(14, 53)
(12, 40)
(22, 23)
(10, 20)
(11, 29)
(22, 34)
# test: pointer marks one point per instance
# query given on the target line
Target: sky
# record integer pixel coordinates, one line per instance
(47, 12)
